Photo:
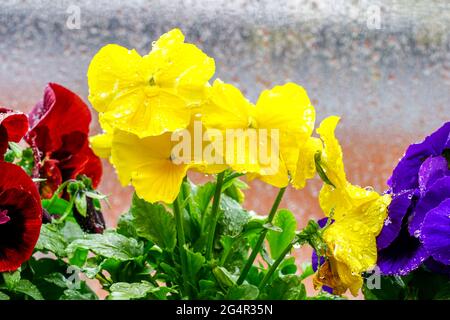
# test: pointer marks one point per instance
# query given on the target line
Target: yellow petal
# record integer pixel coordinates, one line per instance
(147, 164)
(170, 38)
(332, 158)
(306, 168)
(241, 150)
(288, 109)
(226, 108)
(350, 280)
(146, 116)
(351, 242)
(114, 71)
(186, 66)
(101, 145)
(354, 201)
(158, 180)
(372, 213)
(129, 152)
(280, 179)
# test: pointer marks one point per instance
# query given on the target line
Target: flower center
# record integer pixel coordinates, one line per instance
(4, 216)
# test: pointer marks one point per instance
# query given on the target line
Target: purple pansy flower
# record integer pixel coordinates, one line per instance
(417, 229)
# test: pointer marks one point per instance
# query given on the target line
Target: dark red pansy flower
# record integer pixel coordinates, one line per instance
(59, 129)
(13, 126)
(20, 216)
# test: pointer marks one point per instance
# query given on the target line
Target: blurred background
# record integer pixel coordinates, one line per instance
(383, 66)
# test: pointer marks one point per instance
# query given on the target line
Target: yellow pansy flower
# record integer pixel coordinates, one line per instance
(358, 215)
(153, 94)
(147, 163)
(306, 166)
(285, 108)
(154, 165)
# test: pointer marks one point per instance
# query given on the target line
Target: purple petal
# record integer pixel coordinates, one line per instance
(314, 258)
(405, 175)
(436, 232)
(431, 170)
(404, 255)
(315, 261)
(438, 192)
(393, 223)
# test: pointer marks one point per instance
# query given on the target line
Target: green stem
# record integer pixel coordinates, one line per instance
(67, 211)
(181, 241)
(214, 215)
(232, 176)
(274, 266)
(261, 238)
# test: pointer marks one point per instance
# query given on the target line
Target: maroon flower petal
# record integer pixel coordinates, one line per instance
(84, 162)
(13, 126)
(50, 171)
(20, 198)
(15, 123)
(61, 113)
(3, 142)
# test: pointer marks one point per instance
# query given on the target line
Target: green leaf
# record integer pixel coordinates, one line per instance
(81, 203)
(95, 195)
(287, 287)
(126, 226)
(51, 240)
(223, 277)
(58, 206)
(130, 291)
(243, 292)
(109, 245)
(272, 227)
(195, 261)
(326, 296)
(234, 190)
(3, 296)
(11, 279)
(57, 279)
(254, 226)
(78, 256)
(320, 170)
(391, 290)
(71, 231)
(288, 266)
(28, 288)
(203, 194)
(307, 270)
(154, 222)
(278, 241)
(71, 294)
(234, 217)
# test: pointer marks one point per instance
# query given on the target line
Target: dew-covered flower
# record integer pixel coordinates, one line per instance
(418, 227)
(59, 128)
(152, 94)
(20, 216)
(357, 218)
(285, 108)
